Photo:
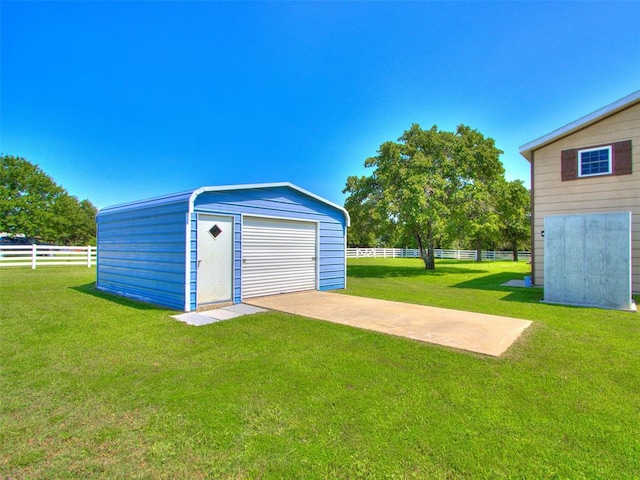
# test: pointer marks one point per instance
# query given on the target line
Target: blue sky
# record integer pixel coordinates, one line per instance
(120, 101)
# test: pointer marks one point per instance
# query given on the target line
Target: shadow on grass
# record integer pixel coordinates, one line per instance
(90, 289)
(523, 295)
(495, 281)
(382, 271)
(490, 282)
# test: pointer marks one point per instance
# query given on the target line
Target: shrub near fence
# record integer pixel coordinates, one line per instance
(44, 255)
(439, 253)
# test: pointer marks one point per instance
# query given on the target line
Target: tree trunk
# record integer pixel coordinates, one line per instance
(430, 261)
(427, 254)
(478, 250)
(514, 249)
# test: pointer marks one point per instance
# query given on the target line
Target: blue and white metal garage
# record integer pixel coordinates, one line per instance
(223, 244)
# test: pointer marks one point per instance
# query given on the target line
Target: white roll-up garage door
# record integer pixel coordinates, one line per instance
(278, 256)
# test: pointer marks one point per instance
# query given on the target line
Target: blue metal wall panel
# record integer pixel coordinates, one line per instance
(237, 259)
(141, 252)
(193, 262)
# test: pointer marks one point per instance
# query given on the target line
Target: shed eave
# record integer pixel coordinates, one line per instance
(249, 186)
(527, 149)
(155, 201)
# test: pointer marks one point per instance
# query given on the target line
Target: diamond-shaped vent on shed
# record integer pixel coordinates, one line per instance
(215, 231)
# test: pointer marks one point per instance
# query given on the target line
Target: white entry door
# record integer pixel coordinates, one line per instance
(215, 259)
(278, 256)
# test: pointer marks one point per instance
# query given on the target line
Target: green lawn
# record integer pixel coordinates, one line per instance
(93, 386)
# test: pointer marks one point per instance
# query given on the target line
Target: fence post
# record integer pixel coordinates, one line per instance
(33, 256)
(88, 256)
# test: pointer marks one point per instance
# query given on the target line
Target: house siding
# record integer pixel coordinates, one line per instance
(609, 193)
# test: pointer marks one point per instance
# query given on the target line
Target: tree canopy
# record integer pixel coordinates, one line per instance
(514, 209)
(34, 205)
(431, 185)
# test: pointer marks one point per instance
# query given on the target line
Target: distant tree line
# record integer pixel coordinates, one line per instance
(34, 205)
(433, 189)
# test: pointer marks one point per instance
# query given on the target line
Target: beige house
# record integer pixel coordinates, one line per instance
(591, 165)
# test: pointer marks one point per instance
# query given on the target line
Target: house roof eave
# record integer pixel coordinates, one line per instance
(527, 149)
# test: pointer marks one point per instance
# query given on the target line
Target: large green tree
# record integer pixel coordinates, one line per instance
(424, 185)
(514, 210)
(363, 207)
(33, 204)
(475, 219)
(74, 221)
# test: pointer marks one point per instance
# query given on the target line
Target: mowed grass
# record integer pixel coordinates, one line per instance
(461, 285)
(94, 386)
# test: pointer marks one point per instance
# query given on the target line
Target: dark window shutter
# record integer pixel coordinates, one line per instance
(569, 164)
(622, 158)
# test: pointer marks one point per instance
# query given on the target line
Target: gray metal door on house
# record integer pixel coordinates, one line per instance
(278, 256)
(215, 259)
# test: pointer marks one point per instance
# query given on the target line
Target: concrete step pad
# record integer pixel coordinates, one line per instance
(218, 314)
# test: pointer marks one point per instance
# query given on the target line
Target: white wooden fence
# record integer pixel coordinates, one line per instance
(439, 253)
(43, 255)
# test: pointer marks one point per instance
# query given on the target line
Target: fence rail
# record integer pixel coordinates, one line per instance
(439, 253)
(44, 255)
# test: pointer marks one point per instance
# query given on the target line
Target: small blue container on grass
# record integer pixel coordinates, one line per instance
(527, 281)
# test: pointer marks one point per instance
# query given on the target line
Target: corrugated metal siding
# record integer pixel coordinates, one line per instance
(287, 203)
(141, 252)
(237, 260)
(278, 256)
(332, 256)
(193, 263)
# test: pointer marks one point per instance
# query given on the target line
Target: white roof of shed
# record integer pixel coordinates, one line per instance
(190, 195)
(528, 148)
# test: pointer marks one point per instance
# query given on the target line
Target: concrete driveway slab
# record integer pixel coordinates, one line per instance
(474, 332)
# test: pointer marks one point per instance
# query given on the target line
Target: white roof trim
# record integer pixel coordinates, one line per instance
(526, 149)
(190, 195)
(267, 185)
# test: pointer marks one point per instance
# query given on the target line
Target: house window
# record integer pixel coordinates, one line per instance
(594, 161)
(614, 159)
